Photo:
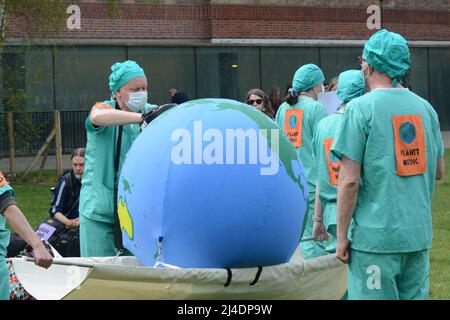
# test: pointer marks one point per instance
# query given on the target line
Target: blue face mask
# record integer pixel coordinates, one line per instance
(137, 100)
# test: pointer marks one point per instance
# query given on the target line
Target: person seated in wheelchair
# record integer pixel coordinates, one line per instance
(66, 194)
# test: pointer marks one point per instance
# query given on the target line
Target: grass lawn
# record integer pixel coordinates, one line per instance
(440, 253)
(34, 197)
(34, 200)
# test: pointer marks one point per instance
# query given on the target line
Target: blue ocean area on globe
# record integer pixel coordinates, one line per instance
(212, 183)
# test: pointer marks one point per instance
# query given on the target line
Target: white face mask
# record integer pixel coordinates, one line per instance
(137, 100)
(320, 93)
(365, 79)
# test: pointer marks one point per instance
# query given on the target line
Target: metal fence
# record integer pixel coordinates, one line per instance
(32, 128)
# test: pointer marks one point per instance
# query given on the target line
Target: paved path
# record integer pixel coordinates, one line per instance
(21, 163)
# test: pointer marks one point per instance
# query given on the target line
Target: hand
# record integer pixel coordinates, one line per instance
(70, 224)
(319, 231)
(342, 250)
(42, 257)
(150, 115)
(73, 223)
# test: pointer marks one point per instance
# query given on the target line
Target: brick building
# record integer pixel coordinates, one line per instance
(222, 48)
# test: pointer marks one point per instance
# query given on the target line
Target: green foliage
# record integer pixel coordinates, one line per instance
(3, 132)
(113, 8)
(41, 16)
(113, 11)
(14, 97)
(34, 197)
(26, 130)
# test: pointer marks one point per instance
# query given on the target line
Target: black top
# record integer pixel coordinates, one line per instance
(66, 195)
(180, 97)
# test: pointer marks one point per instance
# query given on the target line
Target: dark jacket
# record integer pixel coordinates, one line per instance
(180, 97)
(66, 195)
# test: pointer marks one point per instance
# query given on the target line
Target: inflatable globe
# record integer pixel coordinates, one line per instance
(212, 183)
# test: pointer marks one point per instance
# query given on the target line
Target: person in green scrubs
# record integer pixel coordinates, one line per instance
(128, 86)
(16, 219)
(298, 118)
(390, 139)
(350, 86)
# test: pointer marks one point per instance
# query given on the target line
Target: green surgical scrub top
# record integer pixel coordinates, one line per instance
(326, 130)
(312, 112)
(327, 163)
(394, 134)
(97, 191)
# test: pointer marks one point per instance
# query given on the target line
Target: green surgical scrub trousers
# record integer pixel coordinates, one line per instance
(388, 276)
(96, 238)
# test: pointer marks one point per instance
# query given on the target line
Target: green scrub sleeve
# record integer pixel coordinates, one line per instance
(351, 136)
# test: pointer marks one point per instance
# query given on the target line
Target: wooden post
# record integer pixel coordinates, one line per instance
(44, 159)
(10, 126)
(40, 152)
(59, 165)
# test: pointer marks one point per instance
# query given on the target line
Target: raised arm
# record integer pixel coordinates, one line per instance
(110, 117)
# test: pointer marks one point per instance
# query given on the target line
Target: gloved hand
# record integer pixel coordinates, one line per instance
(150, 115)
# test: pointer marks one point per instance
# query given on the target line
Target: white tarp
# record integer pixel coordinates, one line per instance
(123, 278)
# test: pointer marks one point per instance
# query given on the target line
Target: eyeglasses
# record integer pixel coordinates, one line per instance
(251, 101)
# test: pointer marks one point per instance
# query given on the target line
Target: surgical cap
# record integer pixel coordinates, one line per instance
(388, 52)
(123, 72)
(307, 77)
(351, 85)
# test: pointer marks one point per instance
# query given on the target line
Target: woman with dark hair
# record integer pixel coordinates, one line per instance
(275, 99)
(333, 85)
(259, 100)
(286, 97)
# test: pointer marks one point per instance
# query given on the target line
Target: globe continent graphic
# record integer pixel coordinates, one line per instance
(407, 132)
(293, 121)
